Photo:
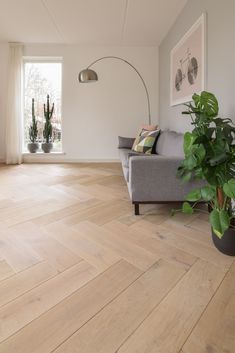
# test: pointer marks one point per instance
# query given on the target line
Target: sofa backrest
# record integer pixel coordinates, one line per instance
(170, 144)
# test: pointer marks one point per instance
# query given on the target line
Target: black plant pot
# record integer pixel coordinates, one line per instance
(226, 244)
(33, 147)
(47, 147)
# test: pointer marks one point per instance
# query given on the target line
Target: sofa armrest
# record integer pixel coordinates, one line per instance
(125, 142)
(153, 178)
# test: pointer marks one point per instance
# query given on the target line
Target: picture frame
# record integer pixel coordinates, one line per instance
(188, 64)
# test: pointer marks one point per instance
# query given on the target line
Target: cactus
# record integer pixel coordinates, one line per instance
(33, 129)
(47, 131)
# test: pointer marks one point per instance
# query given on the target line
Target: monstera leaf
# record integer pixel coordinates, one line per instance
(189, 139)
(194, 195)
(194, 154)
(206, 193)
(220, 222)
(229, 188)
(187, 208)
(207, 103)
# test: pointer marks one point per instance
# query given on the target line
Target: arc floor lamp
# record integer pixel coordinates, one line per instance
(87, 75)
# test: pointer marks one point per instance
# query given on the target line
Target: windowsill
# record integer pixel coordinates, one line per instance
(43, 154)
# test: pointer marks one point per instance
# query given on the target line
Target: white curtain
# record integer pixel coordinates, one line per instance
(14, 106)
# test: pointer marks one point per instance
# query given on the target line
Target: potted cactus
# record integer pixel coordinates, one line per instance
(47, 131)
(33, 132)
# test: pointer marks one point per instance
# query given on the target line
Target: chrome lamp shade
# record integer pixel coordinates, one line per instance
(87, 75)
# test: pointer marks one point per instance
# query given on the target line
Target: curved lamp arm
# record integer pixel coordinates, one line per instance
(142, 80)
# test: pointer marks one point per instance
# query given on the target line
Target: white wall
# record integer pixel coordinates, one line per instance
(3, 91)
(95, 114)
(220, 58)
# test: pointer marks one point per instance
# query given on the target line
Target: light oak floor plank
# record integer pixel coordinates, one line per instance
(168, 326)
(52, 328)
(149, 242)
(5, 270)
(202, 226)
(79, 272)
(49, 249)
(94, 253)
(29, 306)
(16, 253)
(120, 318)
(215, 331)
(64, 212)
(135, 254)
(199, 235)
(24, 281)
(193, 247)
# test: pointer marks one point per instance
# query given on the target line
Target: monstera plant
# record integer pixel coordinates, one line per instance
(210, 156)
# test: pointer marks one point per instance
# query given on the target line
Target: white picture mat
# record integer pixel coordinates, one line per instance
(199, 25)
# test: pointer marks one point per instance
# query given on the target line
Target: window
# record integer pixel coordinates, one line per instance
(42, 78)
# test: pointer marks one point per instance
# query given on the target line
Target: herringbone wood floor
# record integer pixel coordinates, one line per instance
(80, 273)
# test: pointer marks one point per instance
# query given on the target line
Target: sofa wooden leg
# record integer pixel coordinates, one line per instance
(137, 209)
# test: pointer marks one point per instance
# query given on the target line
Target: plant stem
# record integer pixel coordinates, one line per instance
(220, 197)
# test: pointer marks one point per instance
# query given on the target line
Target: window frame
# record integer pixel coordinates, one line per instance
(45, 60)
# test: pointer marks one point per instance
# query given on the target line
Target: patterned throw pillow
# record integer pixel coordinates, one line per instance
(145, 140)
(149, 127)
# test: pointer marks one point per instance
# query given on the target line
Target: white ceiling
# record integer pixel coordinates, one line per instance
(88, 22)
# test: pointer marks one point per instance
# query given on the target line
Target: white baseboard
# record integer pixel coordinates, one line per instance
(61, 158)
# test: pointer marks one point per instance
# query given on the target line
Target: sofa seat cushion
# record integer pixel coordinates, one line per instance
(125, 154)
(170, 144)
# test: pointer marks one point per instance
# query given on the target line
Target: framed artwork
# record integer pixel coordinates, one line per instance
(188, 64)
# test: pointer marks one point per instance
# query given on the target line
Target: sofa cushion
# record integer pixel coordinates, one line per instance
(125, 154)
(170, 144)
(144, 142)
(149, 127)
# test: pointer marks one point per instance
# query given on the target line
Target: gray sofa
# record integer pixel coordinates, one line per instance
(152, 178)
